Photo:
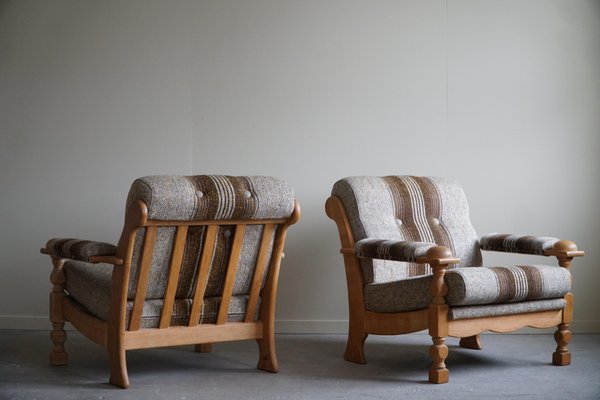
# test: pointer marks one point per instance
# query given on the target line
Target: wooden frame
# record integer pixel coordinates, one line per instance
(435, 318)
(118, 337)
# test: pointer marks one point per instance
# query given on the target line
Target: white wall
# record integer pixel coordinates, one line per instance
(500, 95)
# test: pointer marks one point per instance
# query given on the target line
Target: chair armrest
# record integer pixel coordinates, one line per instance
(82, 250)
(509, 243)
(417, 252)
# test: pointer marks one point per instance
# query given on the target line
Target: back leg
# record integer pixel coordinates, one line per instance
(471, 342)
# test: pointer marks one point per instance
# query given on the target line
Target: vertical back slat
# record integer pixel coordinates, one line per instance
(144, 274)
(259, 271)
(202, 273)
(234, 258)
(174, 269)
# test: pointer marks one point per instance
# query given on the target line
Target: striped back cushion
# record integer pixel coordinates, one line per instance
(409, 208)
(205, 198)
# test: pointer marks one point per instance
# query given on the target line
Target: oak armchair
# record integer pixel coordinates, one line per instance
(413, 262)
(197, 263)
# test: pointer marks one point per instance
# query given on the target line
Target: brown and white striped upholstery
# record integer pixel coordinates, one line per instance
(77, 249)
(522, 244)
(395, 219)
(191, 198)
(412, 209)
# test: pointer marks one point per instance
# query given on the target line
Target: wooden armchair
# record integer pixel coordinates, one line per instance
(197, 263)
(413, 262)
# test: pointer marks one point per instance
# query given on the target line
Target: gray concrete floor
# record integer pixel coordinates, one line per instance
(311, 367)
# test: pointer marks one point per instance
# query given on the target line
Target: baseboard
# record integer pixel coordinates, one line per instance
(283, 326)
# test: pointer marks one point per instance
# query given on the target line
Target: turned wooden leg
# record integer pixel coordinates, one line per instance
(203, 348)
(562, 356)
(355, 347)
(58, 335)
(438, 351)
(268, 357)
(118, 367)
(471, 342)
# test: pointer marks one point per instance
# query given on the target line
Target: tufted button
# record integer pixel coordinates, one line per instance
(199, 194)
(227, 233)
(436, 221)
(399, 222)
(247, 194)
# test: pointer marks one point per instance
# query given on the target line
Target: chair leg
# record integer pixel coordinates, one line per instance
(438, 351)
(355, 347)
(203, 348)
(58, 335)
(562, 356)
(268, 357)
(471, 342)
(118, 367)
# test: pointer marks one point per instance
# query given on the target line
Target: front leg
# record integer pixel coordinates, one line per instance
(58, 335)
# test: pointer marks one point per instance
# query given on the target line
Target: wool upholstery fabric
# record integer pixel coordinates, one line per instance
(77, 249)
(213, 197)
(473, 287)
(395, 219)
(522, 244)
(191, 198)
(90, 285)
(391, 250)
(411, 209)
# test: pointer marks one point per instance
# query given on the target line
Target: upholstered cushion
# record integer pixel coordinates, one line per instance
(476, 286)
(391, 250)
(77, 249)
(510, 243)
(90, 285)
(472, 287)
(408, 208)
(213, 197)
(206, 197)
(492, 310)
(398, 296)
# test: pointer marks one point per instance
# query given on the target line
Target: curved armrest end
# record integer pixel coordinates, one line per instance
(564, 248)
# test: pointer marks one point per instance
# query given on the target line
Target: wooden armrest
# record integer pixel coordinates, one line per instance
(564, 248)
(438, 255)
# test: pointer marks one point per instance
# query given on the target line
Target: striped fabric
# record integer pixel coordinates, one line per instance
(473, 287)
(90, 286)
(517, 243)
(213, 197)
(206, 197)
(411, 209)
(477, 286)
(391, 250)
(185, 198)
(77, 249)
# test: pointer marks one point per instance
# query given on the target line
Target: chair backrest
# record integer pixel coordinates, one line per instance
(408, 208)
(205, 239)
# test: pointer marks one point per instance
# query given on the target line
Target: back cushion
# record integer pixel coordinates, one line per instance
(408, 208)
(202, 198)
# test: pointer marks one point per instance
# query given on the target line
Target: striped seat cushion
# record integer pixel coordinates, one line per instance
(473, 287)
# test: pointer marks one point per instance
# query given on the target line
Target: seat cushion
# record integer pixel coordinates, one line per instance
(473, 286)
(477, 286)
(90, 284)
